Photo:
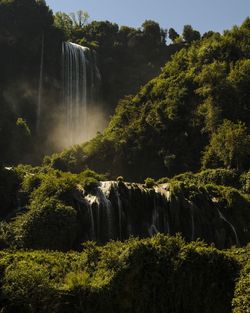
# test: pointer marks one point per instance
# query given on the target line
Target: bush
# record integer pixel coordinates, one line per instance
(219, 176)
(52, 225)
(245, 182)
(27, 288)
(161, 274)
(149, 182)
(241, 301)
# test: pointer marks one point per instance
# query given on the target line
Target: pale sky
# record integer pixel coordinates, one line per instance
(203, 15)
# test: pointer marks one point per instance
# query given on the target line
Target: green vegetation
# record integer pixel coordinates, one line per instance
(242, 292)
(127, 57)
(150, 275)
(229, 146)
(43, 202)
(219, 176)
(241, 299)
(149, 182)
(196, 113)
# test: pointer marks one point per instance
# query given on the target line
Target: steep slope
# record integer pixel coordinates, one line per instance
(165, 128)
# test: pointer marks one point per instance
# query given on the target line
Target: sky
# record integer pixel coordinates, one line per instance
(203, 15)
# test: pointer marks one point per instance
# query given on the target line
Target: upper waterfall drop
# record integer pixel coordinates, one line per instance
(40, 87)
(79, 79)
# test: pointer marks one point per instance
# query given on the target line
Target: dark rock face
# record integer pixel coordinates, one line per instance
(116, 210)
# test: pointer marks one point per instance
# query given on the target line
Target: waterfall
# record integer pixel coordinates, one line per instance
(104, 192)
(153, 229)
(80, 73)
(118, 210)
(232, 227)
(40, 87)
(119, 203)
(90, 201)
(191, 206)
(192, 218)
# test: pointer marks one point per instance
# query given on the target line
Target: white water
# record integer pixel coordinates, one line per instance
(75, 89)
(113, 213)
(119, 203)
(40, 88)
(152, 230)
(232, 227)
(192, 218)
(104, 192)
(191, 206)
(91, 200)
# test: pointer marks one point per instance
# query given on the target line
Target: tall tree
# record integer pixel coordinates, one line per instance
(172, 34)
(189, 34)
(152, 31)
(79, 18)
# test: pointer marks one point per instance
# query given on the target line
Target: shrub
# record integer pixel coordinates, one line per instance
(160, 274)
(52, 225)
(245, 182)
(219, 176)
(241, 301)
(149, 182)
(27, 287)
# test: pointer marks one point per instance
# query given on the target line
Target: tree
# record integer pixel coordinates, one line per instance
(172, 34)
(209, 34)
(64, 22)
(189, 34)
(246, 24)
(79, 18)
(152, 31)
(229, 145)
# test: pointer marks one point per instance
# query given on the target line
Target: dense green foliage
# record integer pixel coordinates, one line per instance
(195, 113)
(219, 176)
(242, 292)
(46, 199)
(229, 146)
(241, 301)
(151, 275)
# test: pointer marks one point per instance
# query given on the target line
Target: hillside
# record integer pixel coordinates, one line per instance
(194, 114)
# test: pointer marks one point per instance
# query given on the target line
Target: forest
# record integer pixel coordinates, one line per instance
(149, 214)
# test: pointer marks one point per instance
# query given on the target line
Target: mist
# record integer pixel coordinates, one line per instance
(95, 121)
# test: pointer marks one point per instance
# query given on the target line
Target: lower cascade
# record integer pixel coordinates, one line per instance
(232, 227)
(115, 210)
(80, 76)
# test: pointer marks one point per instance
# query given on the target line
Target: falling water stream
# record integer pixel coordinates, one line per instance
(232, 227)
(40, 87)
(117, 211)
(75, 88)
